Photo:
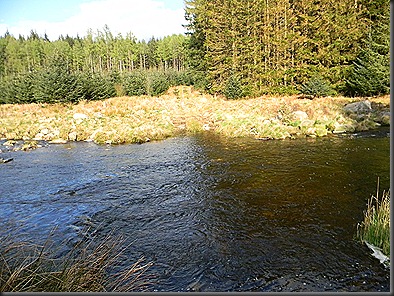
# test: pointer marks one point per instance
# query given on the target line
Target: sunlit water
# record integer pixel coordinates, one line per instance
(211, 213)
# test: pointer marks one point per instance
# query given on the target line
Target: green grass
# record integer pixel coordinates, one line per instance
(90, 266)
(375, 229)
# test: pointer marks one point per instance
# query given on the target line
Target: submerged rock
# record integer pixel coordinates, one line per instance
(5, 160)
(378, 254)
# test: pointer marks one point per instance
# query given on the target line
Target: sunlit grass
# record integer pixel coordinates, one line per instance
(181, 110)
(375, 229)
(90, 266)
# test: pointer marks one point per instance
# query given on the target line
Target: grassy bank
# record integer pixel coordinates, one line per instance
(375, 229)
(181, 110)
(90, 266)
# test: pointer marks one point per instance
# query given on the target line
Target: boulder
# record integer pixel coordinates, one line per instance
(82, 116)
(299, 115)
(72, 136)
(358, 107)
(79, 117)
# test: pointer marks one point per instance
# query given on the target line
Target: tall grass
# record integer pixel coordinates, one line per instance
(89, 266)
(375, 229)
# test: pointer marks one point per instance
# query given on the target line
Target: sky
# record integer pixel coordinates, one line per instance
(143, 18)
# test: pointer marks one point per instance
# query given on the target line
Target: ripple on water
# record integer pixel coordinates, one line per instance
(213, 214)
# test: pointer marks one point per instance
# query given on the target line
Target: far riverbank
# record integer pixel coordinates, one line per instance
(182, 110)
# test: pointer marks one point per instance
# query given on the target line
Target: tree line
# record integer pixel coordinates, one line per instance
(96, 52)
(254, 47)
(234, 47)
(99, 65)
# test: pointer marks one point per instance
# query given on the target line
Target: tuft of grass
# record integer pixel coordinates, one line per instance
(88, 267)
(375, 229)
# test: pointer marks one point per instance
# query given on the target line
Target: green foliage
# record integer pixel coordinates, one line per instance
(316, 87)
(245, 38)
(370, 75)
(18, 89)
(58, 85)
(233, 88)
(97, 86)
(375, 228)
(135, 83)
(158, 83)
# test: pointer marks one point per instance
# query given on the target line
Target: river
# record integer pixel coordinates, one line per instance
(213, 213)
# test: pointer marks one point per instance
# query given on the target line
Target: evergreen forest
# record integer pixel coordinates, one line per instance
(238, 48)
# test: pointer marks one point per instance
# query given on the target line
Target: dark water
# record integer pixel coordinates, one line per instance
(213, 214)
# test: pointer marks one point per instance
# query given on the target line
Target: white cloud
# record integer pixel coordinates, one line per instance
(144, 18)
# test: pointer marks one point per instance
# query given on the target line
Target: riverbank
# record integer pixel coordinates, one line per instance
(182, 110)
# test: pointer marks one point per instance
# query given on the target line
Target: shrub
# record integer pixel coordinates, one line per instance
(57, 85)
(135, 83)
(18, 89)
(158, 83)
(97, 86)
(369, 75)
(316, 87)
(233, 88)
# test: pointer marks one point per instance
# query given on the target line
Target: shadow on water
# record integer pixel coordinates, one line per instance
(214, 214)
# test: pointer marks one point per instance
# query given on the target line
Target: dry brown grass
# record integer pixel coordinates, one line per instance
(89, 266)
(180, 110)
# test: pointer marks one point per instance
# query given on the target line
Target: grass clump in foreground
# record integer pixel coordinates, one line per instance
(375, 229)
(87, 267)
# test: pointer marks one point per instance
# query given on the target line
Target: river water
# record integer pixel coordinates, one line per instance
(212, 213)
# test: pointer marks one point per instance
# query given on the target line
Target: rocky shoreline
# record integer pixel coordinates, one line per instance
(143, 119)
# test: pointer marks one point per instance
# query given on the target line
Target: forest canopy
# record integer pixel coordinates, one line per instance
(277, 46)
(233, 47)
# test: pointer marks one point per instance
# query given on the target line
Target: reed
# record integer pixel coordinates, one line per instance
(375, 229)
(89, 266)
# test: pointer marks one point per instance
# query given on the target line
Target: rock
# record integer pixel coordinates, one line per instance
(9, 143)
(38, 137)
(72, 136)
(79, 117)
(44, 131)
(299, 115)
(2, 160)
(206, 127)
(58, 141)
(358, 107)
(383, 117)
(82, 116)
(29, 145)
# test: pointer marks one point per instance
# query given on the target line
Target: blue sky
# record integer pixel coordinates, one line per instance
(144, 18)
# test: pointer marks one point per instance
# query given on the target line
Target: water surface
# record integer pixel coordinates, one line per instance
(212, 213)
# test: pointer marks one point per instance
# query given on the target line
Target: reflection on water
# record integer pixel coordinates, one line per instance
(214, 214)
